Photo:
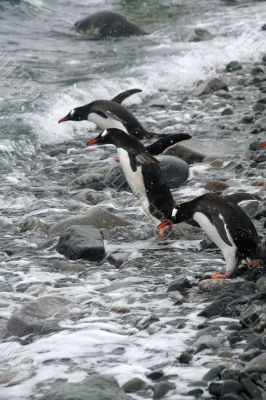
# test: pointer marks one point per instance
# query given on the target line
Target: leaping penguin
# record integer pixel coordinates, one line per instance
(226, 224)
(142, 173)
(111, 114)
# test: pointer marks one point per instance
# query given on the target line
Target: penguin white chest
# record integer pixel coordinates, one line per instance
(229, 252)
(134, 178)
(106, 123)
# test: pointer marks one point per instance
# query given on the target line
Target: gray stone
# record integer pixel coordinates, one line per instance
(40, 316)
(162, 388)
(213, 373)
(213, 285)
(261, 284)
(257, 364)
(96, 387)
(33, 224)
(107, 24)
(174, 170)
(189, 155)
(96, 216)
(209, 342)
(261, 123)
(181, 284)
(133, 385)
(81, 241)
(227, 111)
(199, 35)
(233, 66)
(209, 86)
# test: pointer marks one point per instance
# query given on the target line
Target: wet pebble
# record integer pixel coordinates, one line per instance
(134, 385)
(162, 388)
(227, 111)
(233, 66)
(210, 85)
(180, 284)
(185, 358)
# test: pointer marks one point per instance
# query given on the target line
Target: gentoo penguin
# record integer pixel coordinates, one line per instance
(111, 114)
(142, 173)
(226, 224)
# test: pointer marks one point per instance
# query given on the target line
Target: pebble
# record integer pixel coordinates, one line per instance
(197, 393)
(257, 364)
(213, 373)
(199, 35)
(216, 186)
(233, 66)
(227, 111)
(155, 375)
(134, 385)
(162, 388)
(261, 284)
(209, 86)
(185, 358)
(180, 284)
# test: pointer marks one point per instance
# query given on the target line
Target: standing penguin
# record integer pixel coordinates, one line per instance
(142, 173)
(226, 224)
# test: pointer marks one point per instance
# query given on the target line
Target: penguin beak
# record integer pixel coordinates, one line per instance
(263, 144)
(66, 118)
(93, 141)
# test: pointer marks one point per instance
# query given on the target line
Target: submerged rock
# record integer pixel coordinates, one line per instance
(25, 369)
(209, 86)
(133, 385)
(39, 317)
(189, 155)
(81, 241)
(233, 66)
(174, 170)
(161, 389)
(97, 216)
(96, 387)
(257, 364)
(216, 186)
(199, 35)
(107, 24)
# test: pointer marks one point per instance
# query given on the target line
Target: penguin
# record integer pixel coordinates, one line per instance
(111, 114)
(142, 172)
(226, 224)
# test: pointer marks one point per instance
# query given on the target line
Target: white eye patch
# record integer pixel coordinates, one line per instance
(72, 112)
(174, 212)
(104, 133)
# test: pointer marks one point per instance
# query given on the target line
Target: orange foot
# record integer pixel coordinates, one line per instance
(220, 276)
(163, 228)
(116, 158)
(252, 264)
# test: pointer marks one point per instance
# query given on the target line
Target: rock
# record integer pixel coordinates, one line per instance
(107, 24)
(223, 94)
(211, 285)
(185, 358)
(147, 322)
(199, 35)
(118, 258)
(227, 111)
(18, 373)
(39, 317)
(261, 284)
(258, 107)
(257, 70)
(216, 186)
(261, 157)
(155, 375)
(257, 364)
(232, 396)
(197, 393)
(247, 119)
(33, 224)
(81, 241)
(133, 385)
(181, 284)
(208, 342)
(213, 373)
(96, 216)
(263, 28)
(251, 388)
(186, 154)
(161, 389)
(261, 123)
(226, 387)
(175, 171)
(95, 387)
(209, 86)
(233, 66)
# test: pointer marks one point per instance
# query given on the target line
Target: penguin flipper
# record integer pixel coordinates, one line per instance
(124, 95)
(220, 226)
(144, 159)
(168, 140)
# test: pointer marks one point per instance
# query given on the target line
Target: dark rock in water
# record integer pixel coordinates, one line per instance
(261, 157)
(261, 286)
(216, 186)
(257, 70)
(155, 375)
(227, 111)
(197, 393)
(232, 396)
(147, 322)
(247, 119)
(233, 66)
(174, 170)
(258, 343)
(161, 389)
(81, 241)
(39, 317)
(209, 86)
(107, 24)
(181, 284)
(255, 145)
(217, 307)
(186, 154)
(259, 107)
(251, 388)
(263, 28)
(133, 385)
(225, 387)
(234, 338)
(213, 373)
(185, 358)
(199, 35)
(96, 387)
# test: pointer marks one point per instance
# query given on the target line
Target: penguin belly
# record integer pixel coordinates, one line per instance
(135, 181)
(229, 252)
(106, 123)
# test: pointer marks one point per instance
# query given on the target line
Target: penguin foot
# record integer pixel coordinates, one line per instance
(117, 159)
(252, 264)
(225, 275)
(166, 229)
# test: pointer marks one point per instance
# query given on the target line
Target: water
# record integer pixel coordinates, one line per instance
(47, 69)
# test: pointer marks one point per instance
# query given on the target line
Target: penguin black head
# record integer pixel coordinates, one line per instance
(77, 114)
(120, 139)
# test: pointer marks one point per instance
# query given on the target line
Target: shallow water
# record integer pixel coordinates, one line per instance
(46, 70)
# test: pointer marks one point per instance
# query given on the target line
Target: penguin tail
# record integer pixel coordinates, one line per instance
(124, 95)
(166, 141)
